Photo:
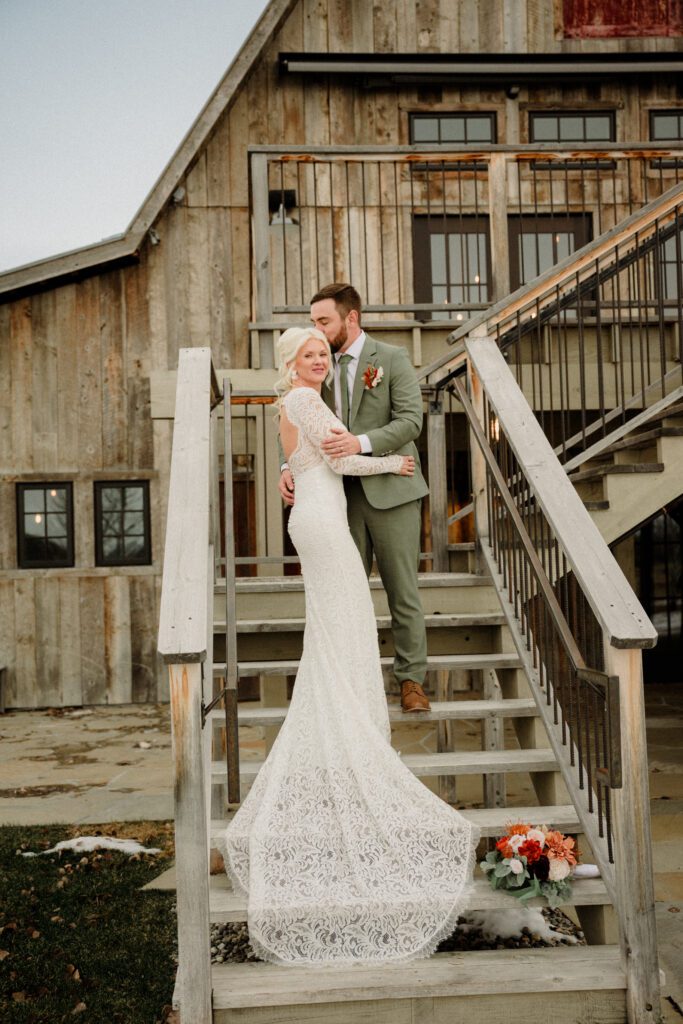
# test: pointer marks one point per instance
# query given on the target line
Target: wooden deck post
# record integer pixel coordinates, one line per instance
(191, 843)
(633, 843)
(477, 462)
(438, 483)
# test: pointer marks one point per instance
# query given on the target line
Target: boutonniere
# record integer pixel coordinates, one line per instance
(372, 376)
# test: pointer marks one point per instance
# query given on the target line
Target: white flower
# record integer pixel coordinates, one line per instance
(516, 841)
(537, 835)
(516, 866)
(558, 870)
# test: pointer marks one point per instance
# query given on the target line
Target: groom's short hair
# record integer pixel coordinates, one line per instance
(345, 298)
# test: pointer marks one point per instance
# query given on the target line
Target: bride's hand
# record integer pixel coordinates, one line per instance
(407, 466)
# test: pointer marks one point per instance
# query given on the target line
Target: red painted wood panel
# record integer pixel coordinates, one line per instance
(584, 19)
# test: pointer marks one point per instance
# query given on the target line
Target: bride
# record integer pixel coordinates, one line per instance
(344, 855)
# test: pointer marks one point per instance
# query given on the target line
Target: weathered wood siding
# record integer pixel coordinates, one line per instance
(76, 359)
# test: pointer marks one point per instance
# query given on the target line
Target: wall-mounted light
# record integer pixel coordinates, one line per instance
(281, 201)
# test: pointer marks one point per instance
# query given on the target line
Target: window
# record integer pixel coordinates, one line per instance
(45, 525)
(666, 125)
(474, 128)
(122, 523)
(670, 266)
(538, 243)
(572, 126)
(452, 261)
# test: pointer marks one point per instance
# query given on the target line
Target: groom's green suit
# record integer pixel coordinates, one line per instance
(384, 510)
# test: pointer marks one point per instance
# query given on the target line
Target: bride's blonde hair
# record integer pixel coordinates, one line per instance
(288, 345)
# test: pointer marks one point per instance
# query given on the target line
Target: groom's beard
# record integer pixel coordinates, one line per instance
(340, 340)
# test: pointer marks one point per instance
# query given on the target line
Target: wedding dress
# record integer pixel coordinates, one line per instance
(344, 855)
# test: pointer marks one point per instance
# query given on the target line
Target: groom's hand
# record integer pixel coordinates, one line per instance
(286, 487)
(340, 442)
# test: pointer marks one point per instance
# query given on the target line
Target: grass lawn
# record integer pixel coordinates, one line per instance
(78, 940)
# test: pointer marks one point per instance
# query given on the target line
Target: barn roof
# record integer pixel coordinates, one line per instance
(123, 248)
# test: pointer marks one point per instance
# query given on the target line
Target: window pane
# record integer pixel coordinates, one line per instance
(56, 525)
(34, 500)
(571, 129)
(134, 497)
(134, 547)
(479, 129)
(438, 244)
(528, 261)
(111, 524)
(55, 499)
(56, 549)
(34, 525)
(544, 129)
(439, 293)
(133, 522)
(665, 126)
(425, 129)
(111, 497)
(564, 242)
(34, 548)
(452, 129)
(598, 128)
(111, 547)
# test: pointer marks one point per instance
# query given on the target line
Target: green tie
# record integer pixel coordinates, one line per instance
(344, 386)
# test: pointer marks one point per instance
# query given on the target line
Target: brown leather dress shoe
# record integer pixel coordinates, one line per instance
(413, 697)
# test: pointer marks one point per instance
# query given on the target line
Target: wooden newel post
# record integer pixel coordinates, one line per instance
(477, 462)
(191, 842)
(632, 843)
(438, 483)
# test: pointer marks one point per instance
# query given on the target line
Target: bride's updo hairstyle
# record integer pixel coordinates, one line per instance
(288, 345)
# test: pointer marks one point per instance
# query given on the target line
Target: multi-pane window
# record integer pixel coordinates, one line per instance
(452, 261)
(122, 523)
(666, 125)
(670, 270)
(539, 242)
(474, 128)
(45, 525)
(572, 126)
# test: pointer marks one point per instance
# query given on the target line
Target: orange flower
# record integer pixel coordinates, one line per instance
(560, 847)
(518, 829)
(504, 847)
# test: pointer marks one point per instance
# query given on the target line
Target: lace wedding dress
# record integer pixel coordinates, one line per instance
(344, 855)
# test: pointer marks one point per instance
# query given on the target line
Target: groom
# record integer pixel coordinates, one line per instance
(376, 394)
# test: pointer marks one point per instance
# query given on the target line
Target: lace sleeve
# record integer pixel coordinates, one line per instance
(307, 411)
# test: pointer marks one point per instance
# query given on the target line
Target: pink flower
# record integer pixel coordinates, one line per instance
(516, 866)
(559, 869)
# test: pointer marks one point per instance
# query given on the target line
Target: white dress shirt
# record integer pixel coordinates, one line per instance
(354, 351)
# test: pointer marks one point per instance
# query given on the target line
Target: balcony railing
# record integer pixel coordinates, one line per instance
(428, 234)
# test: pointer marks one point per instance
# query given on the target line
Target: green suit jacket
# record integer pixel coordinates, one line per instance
(391, 416)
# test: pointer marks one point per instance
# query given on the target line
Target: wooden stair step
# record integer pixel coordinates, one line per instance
(642, 439)
(268, 584)
(596, 506)
(446, 710)
(615, 469)
(434, 661)
(493, 821)
(476, 973)
(474, 762)
(227, 905)
(447, 620)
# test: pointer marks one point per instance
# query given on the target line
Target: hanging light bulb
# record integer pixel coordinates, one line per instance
(38, 518)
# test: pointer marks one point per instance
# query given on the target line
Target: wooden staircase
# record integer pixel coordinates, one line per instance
(467, 635)
(634, 477)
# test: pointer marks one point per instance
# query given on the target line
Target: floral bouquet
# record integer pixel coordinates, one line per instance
(533, 861)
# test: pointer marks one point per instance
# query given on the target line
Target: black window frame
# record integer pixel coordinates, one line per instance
(566, 113)
(668, 112)
(424, 226)
(533, 224)
(447, 115)
(23, 559)
(146, 556)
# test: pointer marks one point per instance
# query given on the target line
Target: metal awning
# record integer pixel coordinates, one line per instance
(501, 68)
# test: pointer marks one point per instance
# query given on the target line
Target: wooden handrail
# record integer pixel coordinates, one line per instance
(183, 615)
(611, 598)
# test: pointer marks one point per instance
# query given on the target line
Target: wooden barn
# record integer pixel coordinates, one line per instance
(502, 181)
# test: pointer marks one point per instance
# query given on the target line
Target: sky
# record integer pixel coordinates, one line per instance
(95, 96)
